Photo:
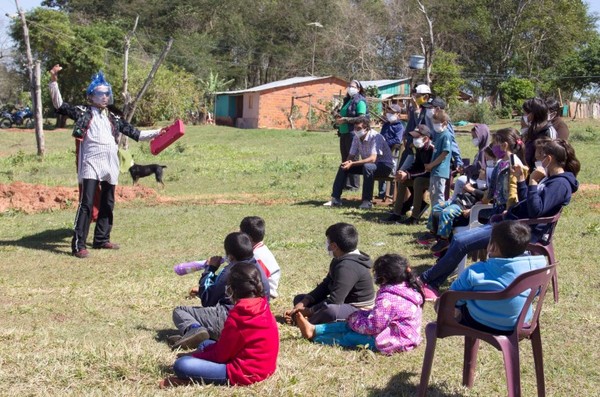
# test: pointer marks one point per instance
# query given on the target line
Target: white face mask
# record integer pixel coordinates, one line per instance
(391, 117)
(429, 113)
(540, 164)
(360, 133)
(352, 91)
(481, 184)
(419, 142)
(551, 116)
(490, 163)
(475, 142)
(438, 127)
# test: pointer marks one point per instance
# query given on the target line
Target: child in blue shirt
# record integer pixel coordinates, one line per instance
(505, 263)
(440, 164)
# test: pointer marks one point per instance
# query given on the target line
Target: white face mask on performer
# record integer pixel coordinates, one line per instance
(419, 142)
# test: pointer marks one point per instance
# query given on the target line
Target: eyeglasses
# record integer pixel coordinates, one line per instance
(102, 93)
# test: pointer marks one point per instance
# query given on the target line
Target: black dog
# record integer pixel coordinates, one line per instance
(138, 171)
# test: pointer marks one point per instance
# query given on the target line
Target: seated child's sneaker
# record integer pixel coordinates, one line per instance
(192, 338)
(426, 239)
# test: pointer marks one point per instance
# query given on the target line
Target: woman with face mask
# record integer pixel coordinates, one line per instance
(538, 126)
(554, 111)
(549, 189)
(480, 135)
(354, 106)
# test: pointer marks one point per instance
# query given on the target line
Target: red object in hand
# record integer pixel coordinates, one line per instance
(161, 142)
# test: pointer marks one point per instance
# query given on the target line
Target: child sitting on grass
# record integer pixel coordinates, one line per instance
(247, 351)
(393, 325)
(506, 262)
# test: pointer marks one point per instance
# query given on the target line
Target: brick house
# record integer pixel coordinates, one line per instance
(270, 105)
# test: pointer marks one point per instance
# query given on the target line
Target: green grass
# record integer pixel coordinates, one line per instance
(96, 327)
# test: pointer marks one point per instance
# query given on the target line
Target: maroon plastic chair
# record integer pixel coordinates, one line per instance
(546, 247)
(536, 281)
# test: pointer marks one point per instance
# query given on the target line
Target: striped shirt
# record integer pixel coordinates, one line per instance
(98, 158)
(374, 143)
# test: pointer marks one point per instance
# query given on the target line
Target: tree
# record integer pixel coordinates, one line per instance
(515, 91)
(446, 75)
(580, 70)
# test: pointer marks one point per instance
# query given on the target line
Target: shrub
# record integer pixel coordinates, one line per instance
(475, 113)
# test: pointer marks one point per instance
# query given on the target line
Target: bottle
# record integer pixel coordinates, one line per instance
(189, 267)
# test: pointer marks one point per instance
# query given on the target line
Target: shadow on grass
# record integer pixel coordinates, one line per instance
(400, 385)
(48, 240)
(161, 334)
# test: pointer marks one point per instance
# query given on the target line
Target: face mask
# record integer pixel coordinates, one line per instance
(329, 252)
(360, 133)
(438, 127)
(490, 163)
(475, 142)
(419, 142)
(551, 116)
(352, 91)
(498, 152)
(391, 117)
(526, 119)
(540, 164)
(429, 113)
(420, 100)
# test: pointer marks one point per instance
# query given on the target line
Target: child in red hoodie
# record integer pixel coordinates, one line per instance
(247, 351)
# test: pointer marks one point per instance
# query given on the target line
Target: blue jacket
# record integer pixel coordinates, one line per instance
(393, 133)
(496, 274)
(542, 200)
(212, 286)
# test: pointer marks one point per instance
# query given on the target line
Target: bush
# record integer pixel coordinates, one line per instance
(481, 113)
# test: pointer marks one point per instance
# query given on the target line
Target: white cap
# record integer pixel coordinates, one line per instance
(423, 89)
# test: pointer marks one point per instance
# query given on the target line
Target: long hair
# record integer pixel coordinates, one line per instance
(395, 269)
(513, 138)
(539, 111)
(245, 282)
(562, 151)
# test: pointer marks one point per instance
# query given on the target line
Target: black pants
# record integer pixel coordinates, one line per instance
(352, 180)
(327, 312)
(84, 214)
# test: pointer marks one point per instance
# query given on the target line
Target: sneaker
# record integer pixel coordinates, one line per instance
(107, 246)
(410, 221)
(192, 338)
(440, 246)
(393, 218)
(334, 202)
(365, 205)
(172, 339)
(81, 254)
(426, 239)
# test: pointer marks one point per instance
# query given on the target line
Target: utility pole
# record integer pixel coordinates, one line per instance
(316, 25)
(34, 86)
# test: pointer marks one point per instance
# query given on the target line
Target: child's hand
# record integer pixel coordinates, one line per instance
(215, 261)
(428, 167)
(517, 171)
(194, 291)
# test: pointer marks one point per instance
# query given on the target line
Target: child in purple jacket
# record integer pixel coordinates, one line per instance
(393, 325)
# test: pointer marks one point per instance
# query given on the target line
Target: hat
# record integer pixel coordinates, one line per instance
(423, 89)
(421, 130)
(436, 102)
(395, 108)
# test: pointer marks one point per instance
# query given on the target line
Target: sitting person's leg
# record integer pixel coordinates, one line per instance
(461, 245)
(399, 204)
(338, 183)
(334, 334)
(447, 217)
(459, 184)
(419, 188)
(467, 320)
(199, 370)
(328, 312)
(369, 172)
(210, 318)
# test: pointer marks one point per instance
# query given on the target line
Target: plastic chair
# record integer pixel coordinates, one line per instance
(536, 281)
(473, 223)
(545, 247)
(389, 179)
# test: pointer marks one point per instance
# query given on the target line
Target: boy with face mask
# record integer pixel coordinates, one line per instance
(98, 131)
(505, 263)
(440, 164)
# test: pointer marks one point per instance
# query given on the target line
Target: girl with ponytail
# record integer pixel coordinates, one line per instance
(247, 350)
(393, 325)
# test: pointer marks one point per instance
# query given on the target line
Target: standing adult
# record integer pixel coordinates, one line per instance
(554, 109)
(98, 129)
(354, 106)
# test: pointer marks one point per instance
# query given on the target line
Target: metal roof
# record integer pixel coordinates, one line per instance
(276, 84)
(380, 83)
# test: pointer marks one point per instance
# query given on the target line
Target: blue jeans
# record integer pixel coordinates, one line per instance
(461, 245)
(369, 172)
(188, 367)
(437, 188)
(340, 334)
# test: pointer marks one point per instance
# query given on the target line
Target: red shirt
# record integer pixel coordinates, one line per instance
(249, 343)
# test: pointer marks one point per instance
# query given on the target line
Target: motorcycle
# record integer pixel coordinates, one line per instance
(22, 117)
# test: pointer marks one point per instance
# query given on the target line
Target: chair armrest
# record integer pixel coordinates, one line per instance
(474, 213)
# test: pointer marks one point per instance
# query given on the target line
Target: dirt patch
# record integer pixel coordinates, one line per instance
(586, 187)
(28, 198)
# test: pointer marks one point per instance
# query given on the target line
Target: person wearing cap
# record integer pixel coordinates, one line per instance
(393, 131)
(370, 156)
(99, 130)
(416, 115)
(415, 177)
(431, 107)
(354, 106)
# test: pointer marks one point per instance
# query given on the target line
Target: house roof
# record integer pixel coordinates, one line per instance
(381, 83)
(276, 84)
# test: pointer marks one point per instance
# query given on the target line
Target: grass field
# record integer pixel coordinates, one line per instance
(97, 327)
